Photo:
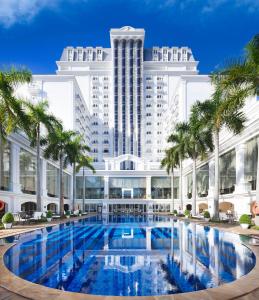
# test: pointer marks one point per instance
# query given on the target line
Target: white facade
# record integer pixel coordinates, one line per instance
(125, 101)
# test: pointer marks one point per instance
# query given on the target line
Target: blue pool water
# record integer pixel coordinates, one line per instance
(129, 256)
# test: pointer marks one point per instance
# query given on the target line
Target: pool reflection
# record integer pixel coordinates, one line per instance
(129, 255)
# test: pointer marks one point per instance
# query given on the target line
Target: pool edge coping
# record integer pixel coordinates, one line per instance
(233, 290)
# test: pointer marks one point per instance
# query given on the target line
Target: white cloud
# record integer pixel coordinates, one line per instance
(20, 11)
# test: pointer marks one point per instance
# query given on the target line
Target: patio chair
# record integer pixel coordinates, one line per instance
(36, 216)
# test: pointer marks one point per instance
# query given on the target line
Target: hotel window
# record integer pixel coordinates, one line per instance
(148, 96)
(159, 115)
(105, 150)
(149, 87)
(95, 114)
(159, 105)
(227, 168)
(159, 97)
(184, 54)
(89, 55)
(106, 105)
(159, 87)
(95, 150)
(159, 132)
(149, 132)
(95, 87)
(94, 132)
(105, 96)
(105, 78)
(27, 172)
(105, 123)
(148, 123)
(105, 115)
(161, 187)
(155, 54)
(165, 55)
(66, 188)
(175, 55)
(148, 114)
(148, 78)
(70, 55)
(105, 142)
(105, 87)
(95, 97)
(95, 159)
(251, 162)
(95, 123)
(5, 179)
(80, 54)
(99, 54)
(94, 142)
(149, 142)
(148, 105)
(95, 105)
(52, 181)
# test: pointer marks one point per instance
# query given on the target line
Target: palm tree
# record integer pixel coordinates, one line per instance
(244, 73)
(12, 115)
(84, 162)
(222, 110)
(57, 147)
(200, 141)
(77, 158)
(180, 142)
(39, 117)
(170, 162)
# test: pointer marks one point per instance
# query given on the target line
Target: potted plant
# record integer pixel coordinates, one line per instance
(8, 220)
(206, 215)
(175, 212)
(187, 213)
(49, 215)
(245, 221)
(80, 213)
(67, 213)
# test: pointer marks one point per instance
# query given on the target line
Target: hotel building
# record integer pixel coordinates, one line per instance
(125, 100)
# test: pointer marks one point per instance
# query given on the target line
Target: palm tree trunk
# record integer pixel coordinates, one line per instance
(181, 185)
(194, 187)
(216, 186)
(38, 171)
(83, 189)
(172, 189)
(1, 160)
(257, 175)
(74, 185)
(61, 194)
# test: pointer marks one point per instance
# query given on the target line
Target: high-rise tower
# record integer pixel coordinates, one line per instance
(127, 49)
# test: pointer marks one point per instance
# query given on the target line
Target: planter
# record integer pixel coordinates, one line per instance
(256, 220)
(8, 225)
(49, 219)
(186, 217)
(68, 217)
(244, 226)
(207, 219)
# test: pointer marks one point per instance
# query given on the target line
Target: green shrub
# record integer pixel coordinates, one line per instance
(206, 214)
(245, 219)
(175, 212)
(80, 212)
(67, 213)
(49, 214)
(187, 213)
(7, 218)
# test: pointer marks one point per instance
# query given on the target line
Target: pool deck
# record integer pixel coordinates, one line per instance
(13, 287)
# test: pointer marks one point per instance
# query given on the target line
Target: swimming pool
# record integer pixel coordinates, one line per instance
(129, 256)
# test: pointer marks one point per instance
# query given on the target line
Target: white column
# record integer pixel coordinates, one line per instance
(44, 178)
(172, 205)
(242, 186)
(148, 187)
(15, 168)
(211, 177)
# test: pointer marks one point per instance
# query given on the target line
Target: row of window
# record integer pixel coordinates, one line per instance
(150, 105)
(96, 142)
(96, 123)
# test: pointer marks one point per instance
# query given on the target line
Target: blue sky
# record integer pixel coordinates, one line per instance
(34, 32)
